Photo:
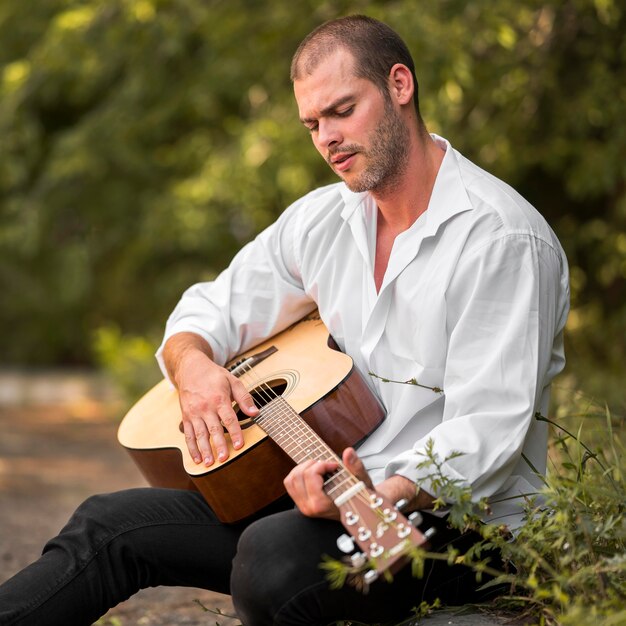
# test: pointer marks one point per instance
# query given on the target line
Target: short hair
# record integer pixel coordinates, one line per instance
(375, 47)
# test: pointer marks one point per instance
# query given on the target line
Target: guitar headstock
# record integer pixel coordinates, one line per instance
(382, 533)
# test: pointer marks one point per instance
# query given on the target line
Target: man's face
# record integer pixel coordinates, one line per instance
(353, 126)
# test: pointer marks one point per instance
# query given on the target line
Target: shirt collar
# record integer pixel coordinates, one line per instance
(448, 197)
(351, 201)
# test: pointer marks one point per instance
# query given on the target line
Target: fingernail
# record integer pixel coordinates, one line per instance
(196, 459)
(208, 460)
(253, 408)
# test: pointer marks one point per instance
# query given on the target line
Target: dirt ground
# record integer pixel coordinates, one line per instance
(52, 456)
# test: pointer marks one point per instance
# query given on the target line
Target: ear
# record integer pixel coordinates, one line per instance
(401, 85)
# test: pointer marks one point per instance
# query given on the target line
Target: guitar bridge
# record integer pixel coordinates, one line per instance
(239, 368)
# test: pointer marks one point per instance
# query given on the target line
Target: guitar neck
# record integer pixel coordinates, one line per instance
(287, 428)
(382, 533)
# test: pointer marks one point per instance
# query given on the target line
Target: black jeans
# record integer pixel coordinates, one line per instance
(118, 543)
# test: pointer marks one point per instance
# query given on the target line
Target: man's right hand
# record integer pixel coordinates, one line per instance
(206, 392)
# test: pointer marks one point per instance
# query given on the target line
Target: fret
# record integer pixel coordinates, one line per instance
(301, 442)
(332, 485)
(381, 533)
(291, 432)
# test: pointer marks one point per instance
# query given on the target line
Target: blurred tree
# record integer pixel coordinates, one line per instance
(144, 141)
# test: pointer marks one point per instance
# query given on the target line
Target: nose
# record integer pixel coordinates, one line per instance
(328, 135)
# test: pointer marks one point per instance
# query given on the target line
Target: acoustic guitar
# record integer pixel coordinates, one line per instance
(313, 403)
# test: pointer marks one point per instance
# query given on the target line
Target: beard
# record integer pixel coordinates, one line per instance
(385, 159)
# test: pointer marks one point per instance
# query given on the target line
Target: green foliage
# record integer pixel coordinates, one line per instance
(569, 557)
(129, 360)
(133, 161)
(144, 141)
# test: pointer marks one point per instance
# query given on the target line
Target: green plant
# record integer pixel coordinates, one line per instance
(127, 359)
(568, 560)
(216, 611)
(570, 554)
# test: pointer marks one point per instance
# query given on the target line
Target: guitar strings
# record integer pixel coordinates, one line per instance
(268, 393)
(264, 390)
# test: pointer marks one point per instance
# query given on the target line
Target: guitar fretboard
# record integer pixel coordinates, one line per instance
(287, 428)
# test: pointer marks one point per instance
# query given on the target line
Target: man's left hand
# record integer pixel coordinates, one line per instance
(305, 484)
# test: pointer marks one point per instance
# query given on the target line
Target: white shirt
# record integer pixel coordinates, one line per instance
(473, 301)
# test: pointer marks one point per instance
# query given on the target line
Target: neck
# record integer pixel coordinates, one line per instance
(402, 201)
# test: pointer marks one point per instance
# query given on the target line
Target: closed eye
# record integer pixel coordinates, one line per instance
(313, 126)
(345, 112)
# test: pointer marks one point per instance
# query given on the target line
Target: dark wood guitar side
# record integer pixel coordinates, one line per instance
(299, 365)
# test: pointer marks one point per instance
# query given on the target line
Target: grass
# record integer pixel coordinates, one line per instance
(569, 556)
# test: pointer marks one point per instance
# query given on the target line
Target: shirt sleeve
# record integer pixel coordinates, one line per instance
(257, 296)
(506, 307)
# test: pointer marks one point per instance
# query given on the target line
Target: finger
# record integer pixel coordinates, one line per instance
(215, 430)
(203, 438)
(354, 465)
(325, 468)
(246, 403)
(320, 503)
(294, 481)
(307, 488)
(243, 398)
(313, 478)
(230, 422)
(295, 485)
(312, 472)
(190, 440)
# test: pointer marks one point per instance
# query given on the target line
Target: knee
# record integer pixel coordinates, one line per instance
(95, 514)
(276, 571)
(250, 582)
(93, 508)
(262, 573)
(93, 523)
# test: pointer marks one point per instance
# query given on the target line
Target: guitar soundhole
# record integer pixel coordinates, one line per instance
(261, 395)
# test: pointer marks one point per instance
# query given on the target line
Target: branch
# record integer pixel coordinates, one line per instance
(411, 381)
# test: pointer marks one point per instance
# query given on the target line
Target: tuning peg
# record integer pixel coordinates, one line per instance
(430, 532)
(345, 543)
(370, 576)
(376, 550)
(401, 504)
(375, 500)
(403, 530)
(364, 534)
(358, 559)
(351, 518)
(416, 518)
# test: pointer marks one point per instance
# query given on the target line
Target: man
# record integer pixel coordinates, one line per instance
(423, 267)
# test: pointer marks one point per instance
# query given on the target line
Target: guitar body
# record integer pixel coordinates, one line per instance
(316, 380)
